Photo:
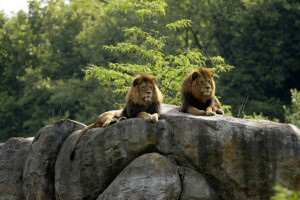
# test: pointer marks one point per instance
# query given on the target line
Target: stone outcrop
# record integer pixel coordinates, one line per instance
(39, 172)
(150, 176)
(180, 157)
(12, 157)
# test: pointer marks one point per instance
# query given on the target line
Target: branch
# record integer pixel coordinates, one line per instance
(196, 39)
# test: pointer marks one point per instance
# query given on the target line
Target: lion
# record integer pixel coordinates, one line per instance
(198, 94)
(143, 100)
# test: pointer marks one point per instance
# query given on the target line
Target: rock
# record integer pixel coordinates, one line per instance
(39, 165)
(237, 158)
(101, 154)
(12, 157)
(194, 186)
(150, 176)
(215, 157)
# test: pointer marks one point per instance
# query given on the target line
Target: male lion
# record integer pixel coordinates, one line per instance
(143, 100)
(198, 94)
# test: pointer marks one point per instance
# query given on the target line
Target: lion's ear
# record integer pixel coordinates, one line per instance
(195, 75)
(135, 82)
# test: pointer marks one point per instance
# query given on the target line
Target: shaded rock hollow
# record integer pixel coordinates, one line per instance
(180, 157)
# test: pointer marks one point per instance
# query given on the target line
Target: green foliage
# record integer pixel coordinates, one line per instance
(140, 8)
(261, 43)
(43, 52)
(41, 56)
(292, 112)
(179, 24)
(147, 50)
(259, 116)
(285, 194)
(259, 38)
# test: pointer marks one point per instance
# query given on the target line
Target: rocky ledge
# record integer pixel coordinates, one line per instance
(180, 157)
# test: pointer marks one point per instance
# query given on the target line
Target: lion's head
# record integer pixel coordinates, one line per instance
(200, 84)
(144, 90)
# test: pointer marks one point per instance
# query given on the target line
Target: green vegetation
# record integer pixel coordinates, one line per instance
(149, 55)
(43, 54)
(285, 194)
(292, 112)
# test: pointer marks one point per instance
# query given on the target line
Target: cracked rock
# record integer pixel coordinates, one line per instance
(12, 157)
(200, 157)
(150, 176)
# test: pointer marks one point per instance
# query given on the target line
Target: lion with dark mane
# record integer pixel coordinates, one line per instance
(143, 100)
(198, 94)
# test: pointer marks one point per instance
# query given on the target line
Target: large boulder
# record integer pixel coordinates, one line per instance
(194, 186)
(150, 176)
(38, 172)
(12, 157)
(180, 157)
(235, 158)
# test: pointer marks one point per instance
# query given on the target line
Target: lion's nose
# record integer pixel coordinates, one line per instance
(207, 87)
(148, 92)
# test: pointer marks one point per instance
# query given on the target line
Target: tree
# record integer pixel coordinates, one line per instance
(292, 112)
(263, 49)
(148, 50)
(42, 56)
(14, 58)
(258, 37)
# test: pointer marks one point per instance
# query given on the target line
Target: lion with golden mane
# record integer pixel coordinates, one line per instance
(198, 94)
(143, 100)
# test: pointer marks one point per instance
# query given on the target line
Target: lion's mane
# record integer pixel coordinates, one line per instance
(191, 94)
(134, 102)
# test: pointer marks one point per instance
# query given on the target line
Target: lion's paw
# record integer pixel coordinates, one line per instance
(154, 117)
(210, 113)
(148, 118)
(220, 111)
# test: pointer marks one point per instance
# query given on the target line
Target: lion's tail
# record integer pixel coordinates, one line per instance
(72, 155)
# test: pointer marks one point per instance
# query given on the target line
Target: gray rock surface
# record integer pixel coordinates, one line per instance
(202, 157)
(194, 186)
(101, 154)
(238, 158)
(12, 157)
(38, 172)
(150, 176)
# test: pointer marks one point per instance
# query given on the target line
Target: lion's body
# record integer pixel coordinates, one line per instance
(198, 94)
(132, 110)
(143, 100)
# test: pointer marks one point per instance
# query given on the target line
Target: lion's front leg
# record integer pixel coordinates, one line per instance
(146, 116)
(194, 111)
(220, 111)
(154, 117)
(218, 106)
(209, 112)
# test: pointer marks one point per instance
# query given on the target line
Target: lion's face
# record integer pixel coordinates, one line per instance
(144, 90)
(203, 83)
